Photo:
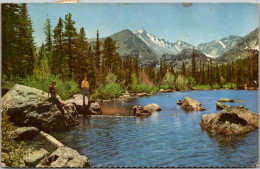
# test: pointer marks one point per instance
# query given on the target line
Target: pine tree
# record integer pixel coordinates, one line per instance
(194, 66)
(109, 52)
(58, 53)
(10, 38)
(70, 35)
(183, 69)
(97, 51)
(48, 34)
(81, 61)
(26, 43)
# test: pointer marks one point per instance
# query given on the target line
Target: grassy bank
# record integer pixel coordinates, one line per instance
(67, 88)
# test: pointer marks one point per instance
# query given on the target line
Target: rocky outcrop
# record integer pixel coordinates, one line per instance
(231, 121)
(34, 157)
(229, 100)
(26, 133)
(221, 106)
(192, 105)
(146, 110)
(64, 157)
(92, 109)
(28, 106)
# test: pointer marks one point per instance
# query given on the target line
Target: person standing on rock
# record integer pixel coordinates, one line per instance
(85, 88)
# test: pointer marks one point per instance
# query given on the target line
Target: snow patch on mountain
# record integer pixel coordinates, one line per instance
(222, 44)
(210, 56)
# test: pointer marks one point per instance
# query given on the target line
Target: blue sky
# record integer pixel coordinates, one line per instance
(195, 24)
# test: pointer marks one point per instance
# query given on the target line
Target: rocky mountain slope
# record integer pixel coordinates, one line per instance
(218, 47)
(246, 46)
(186, 57)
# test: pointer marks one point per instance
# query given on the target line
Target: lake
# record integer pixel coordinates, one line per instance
(163, 140)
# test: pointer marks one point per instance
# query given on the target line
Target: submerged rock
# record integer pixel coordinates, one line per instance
(64, 157)
(221, 106)
(28, 106)
(145, 110)
(26, 133)
(231, 121)
(180, 102)
(34, 157)
(92, 109)
(191, 104)
(229, 100)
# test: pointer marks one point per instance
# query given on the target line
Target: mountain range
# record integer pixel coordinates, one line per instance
(151, 49)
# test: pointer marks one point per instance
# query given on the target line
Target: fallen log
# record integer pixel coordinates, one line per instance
(51, 139)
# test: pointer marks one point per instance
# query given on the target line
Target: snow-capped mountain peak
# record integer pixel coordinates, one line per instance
(161, 46)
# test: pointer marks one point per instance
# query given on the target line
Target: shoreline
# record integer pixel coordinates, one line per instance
(144, 94)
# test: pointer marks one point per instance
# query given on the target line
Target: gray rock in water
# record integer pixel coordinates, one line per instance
(229, 100)
(152, 108)
(33, 158)
(65, 157)
(95, 109)
(192, 105)
(92, 109)
(26, 133)
(221, 106)
(145, 110)
(28, 106)
(231, 121)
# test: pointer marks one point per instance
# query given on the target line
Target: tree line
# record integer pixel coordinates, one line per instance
(67, 54)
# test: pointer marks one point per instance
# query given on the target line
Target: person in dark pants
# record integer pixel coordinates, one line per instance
(85, 88)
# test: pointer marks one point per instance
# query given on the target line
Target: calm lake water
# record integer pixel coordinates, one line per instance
(162, 139)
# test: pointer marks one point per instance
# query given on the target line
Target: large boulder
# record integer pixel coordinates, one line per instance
(229, 100)
(221, 106)
(191, 105)
(26, 133)
(28, 106)
(92, 109)
(145, 110)
(230, 121)
(34, 157)
(64, 157)
(152, 108)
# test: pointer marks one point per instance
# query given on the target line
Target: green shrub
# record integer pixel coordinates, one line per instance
(143, 88)
(181, 83)
(191, 82)
(65, 89)
(216, 86)
(111, 90)
(202, 87)
(165, 87)
(12, 152)
(169, 79)
(230, 86)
